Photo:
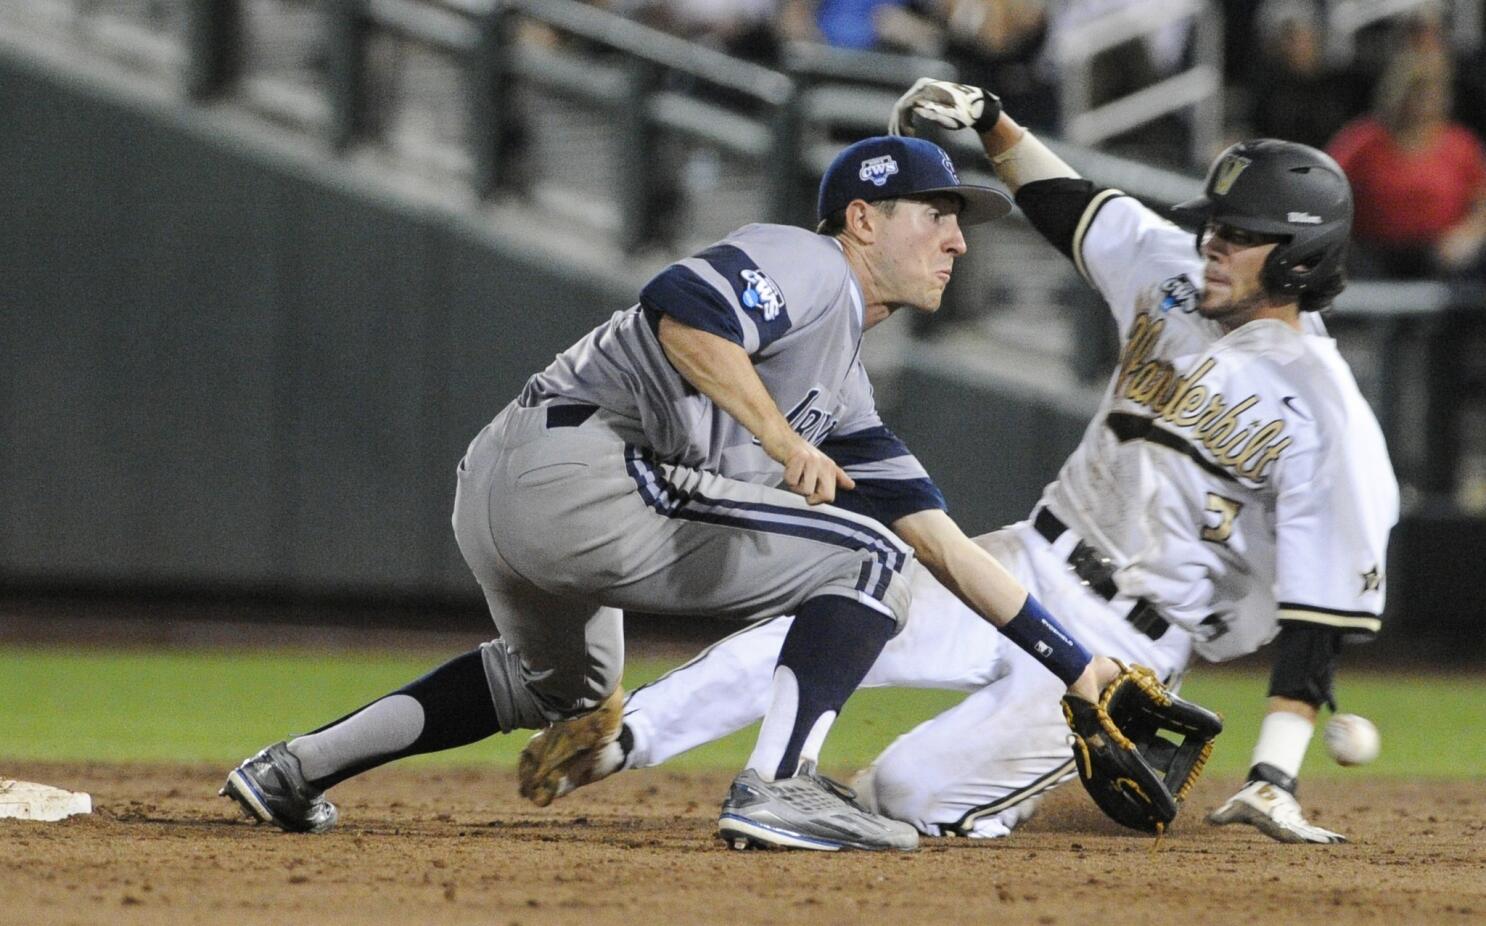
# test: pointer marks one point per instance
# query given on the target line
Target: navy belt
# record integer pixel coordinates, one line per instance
(569, 416)
(1096, 571)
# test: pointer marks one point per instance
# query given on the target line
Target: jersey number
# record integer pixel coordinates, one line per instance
(1226, 509)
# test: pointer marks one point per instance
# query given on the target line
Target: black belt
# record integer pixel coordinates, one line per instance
(569, 416)
(1096, 571)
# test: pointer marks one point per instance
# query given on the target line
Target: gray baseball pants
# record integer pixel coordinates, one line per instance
(566, 525)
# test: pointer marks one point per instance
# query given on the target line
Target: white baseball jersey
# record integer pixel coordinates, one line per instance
(1232, 479)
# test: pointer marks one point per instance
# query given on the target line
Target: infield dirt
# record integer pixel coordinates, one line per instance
(451, 847)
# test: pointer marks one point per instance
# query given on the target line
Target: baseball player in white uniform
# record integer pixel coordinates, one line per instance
(1233, 488)
(683, 458)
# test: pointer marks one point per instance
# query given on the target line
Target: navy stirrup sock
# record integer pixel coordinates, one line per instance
(829, 648)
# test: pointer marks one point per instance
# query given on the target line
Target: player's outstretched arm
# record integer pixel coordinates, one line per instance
(1017, 157)
(984, 585)
(722, 371)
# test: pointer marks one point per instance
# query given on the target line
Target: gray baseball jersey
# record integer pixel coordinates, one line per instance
(785, 295)
(612, 484)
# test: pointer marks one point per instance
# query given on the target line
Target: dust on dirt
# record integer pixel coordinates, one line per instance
(458, 846)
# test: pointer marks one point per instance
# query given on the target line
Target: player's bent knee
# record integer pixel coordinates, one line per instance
(878, 581)
(565, 697)
(526, 703)
(895, 786)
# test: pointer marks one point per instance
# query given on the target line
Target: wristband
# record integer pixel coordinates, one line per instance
(1027, 161)
(1044, 639)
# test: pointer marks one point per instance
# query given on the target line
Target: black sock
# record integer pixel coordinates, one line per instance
(456, 710)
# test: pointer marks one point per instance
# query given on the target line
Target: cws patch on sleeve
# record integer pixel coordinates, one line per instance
(722, 291)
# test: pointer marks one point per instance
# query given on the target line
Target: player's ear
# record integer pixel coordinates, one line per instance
(861, 221)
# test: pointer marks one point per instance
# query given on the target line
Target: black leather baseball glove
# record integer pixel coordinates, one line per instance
(1137, 775)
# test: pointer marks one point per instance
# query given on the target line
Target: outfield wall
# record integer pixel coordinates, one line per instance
(221, 369)
(224, 370)
(234, 368)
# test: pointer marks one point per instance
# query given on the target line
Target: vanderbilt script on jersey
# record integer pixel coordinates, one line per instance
(1186, 402)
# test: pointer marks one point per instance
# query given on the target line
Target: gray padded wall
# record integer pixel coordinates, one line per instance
(218, 371)
(222, 370)
(991, 452)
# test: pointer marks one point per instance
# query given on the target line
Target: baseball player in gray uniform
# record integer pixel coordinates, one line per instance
(683, 458)
(1233, 488)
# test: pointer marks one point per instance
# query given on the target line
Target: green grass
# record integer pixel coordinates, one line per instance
(216, 706)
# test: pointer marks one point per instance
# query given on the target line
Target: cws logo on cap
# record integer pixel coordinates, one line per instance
(877, 170)
(895, 166)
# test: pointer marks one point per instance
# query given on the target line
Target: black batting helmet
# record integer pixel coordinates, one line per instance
(1282, 188)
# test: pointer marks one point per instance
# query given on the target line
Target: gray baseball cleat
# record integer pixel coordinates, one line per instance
(805, 812)
(271, 787)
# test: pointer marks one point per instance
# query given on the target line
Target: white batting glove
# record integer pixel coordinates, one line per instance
(1274, 812)
(954, 106)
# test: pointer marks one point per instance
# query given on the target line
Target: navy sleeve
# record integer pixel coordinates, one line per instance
(721, 290)
(677, 291)
(891, 483)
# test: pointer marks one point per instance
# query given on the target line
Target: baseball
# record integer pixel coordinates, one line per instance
(1352, 739)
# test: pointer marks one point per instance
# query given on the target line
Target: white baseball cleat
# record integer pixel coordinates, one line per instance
(1274, 812)
(271, 787)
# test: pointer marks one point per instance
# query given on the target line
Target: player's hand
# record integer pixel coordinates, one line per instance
(954, 106)
(811, 473)
(1274, 812)
(1100, 671)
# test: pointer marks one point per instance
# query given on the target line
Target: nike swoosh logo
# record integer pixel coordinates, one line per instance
(1289, 402)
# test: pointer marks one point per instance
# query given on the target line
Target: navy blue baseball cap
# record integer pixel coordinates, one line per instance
(893, 166)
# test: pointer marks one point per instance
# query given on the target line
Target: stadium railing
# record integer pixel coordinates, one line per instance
(783, 121)
(1195, 91)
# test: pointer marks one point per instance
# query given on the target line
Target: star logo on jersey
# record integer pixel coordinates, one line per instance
(762, 294)
(876, 170)
(1372, 580)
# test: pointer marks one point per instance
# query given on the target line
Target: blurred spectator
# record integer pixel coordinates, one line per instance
(879, 25)
(1419, 179)
(1426, 31)
(1126, 68)
(1297, 95)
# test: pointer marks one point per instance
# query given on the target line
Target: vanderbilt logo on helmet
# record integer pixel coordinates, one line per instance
(1227, 173)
